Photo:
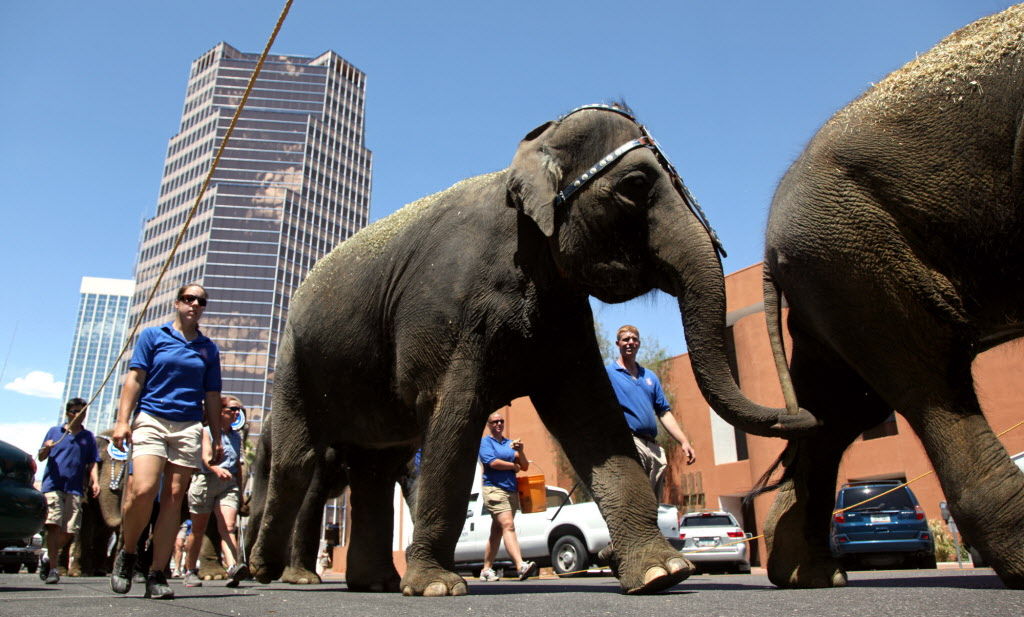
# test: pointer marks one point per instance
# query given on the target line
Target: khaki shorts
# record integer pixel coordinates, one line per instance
(207, 490)
(64, 510)
(498, 500)
(653, 459)
(178, 442)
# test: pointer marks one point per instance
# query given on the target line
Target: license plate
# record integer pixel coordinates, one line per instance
(707, 541)
(880, 518)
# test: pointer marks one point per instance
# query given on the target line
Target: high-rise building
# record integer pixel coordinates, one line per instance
(293, 182)
(99, 336)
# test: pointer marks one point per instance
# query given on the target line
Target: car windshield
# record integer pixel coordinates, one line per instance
(707, 521)
(896, 500)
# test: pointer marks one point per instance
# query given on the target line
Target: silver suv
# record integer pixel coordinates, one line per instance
(714, 541)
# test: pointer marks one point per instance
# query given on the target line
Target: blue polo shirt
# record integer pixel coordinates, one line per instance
(179, 373)
(642, 399)
(65, 466)
(491, 449)
(231, 443)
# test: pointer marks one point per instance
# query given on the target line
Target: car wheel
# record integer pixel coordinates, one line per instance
(32, 567)
(11, 568)
(927, 562)
(569, 557)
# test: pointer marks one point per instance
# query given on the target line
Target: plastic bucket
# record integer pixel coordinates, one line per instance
(532, 494)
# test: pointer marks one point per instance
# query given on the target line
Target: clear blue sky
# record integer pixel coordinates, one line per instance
(93, 91)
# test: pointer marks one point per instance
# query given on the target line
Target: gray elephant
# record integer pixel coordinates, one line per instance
(896, 239)
(302, 538)
(101, 517)
(414, 330)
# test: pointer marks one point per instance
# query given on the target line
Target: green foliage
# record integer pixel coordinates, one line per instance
(945, 548)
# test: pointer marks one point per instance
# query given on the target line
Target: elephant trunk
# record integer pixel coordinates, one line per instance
(694, 275)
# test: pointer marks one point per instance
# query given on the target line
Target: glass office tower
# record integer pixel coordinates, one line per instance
(99, 336)
(293, 182)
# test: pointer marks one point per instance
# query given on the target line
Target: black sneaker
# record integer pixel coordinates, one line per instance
(237, 573)
(157, 587)
(121, 577)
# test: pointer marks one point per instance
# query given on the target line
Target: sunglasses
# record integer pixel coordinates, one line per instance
(496, 422)
(235, 409)
(189, 299)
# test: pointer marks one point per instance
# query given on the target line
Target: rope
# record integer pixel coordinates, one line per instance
(77, 421)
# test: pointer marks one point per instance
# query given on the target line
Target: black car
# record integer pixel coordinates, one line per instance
(880, 524)
(22, 507)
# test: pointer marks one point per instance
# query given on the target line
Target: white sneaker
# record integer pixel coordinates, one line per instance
(526, 570)
(488, 575)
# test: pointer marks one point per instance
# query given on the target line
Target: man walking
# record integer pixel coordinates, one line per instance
(71, 456)
(643, 403)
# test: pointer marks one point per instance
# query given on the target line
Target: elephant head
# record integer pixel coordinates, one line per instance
(619, 222)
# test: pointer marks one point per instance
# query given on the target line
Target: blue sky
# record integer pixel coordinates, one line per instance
(93, 91)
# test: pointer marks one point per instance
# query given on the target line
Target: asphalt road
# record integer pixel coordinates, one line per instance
(932, 593)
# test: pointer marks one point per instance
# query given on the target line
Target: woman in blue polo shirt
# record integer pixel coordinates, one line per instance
(502, 458)
(173, 384)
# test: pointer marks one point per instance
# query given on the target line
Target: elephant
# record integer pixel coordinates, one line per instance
(328, 479)
(412, 331)
(895, 238)
(90, 553)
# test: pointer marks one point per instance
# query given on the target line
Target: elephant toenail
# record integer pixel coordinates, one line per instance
(435, 590)
(654, 574)
(460, 589)
(407, 591)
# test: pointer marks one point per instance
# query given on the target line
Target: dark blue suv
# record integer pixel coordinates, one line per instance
(884, 527)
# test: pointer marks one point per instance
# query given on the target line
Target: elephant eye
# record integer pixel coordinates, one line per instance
(634, 187)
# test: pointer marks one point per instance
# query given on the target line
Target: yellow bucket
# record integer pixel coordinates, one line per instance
(532, 494)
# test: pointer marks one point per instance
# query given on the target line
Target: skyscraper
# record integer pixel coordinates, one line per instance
(293, 182)
(99, 336)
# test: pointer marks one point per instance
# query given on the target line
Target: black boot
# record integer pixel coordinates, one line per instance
(121, 577)
(157, 587)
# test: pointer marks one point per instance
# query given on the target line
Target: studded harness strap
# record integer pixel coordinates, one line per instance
(644, 141)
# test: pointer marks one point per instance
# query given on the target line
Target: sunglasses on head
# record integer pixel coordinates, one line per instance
(189, 299)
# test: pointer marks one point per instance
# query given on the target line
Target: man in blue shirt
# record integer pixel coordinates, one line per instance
(643, 403)
(70, 458)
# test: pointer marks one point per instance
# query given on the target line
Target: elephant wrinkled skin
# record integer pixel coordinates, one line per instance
(896, 239)
(415, 329)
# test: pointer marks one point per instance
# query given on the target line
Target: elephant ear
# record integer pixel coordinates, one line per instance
(533, 179)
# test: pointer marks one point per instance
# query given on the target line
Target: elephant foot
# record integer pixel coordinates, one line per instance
(214, 575)
(263, 572)
(650, 571)
(432, 581)
(385, 582)
(812, 574)
(301, 576)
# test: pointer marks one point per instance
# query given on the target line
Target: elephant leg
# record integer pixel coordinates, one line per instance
(373, 474)
(580, 409)
(797, 527)
(258, 491)
(294, 456)
(211, 568)
(450, 450)
(301, 569)
(985, 490)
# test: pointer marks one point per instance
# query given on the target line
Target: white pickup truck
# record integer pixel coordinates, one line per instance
(566, 537)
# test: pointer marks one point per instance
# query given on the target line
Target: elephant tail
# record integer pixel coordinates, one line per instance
(773, 316)
(765, 484)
